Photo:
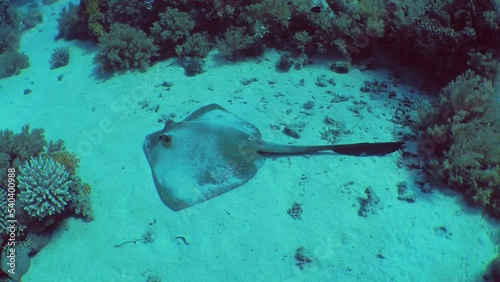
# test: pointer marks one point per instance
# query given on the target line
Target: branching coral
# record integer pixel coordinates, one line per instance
(9, 39)
(125, 47)
(44, 187)
(235, 44)
(71, 25)
(136, 13)
(11, 63)
(440, 34)
(80, 200)
(271, 12)
(172, 28)
(465, 131)
(196, 45)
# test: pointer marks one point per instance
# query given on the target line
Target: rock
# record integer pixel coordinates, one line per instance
(370, 204)
(303, 257)
(290, 132)
(321, 81)
(426, 188)
(38, 241)
(340, 67)
(410, 198)
(420, 179)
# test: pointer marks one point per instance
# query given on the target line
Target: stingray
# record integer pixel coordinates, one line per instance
(214, 151)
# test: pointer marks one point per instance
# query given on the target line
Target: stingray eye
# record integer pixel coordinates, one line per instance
(165, 139)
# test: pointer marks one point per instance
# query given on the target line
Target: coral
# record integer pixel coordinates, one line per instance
(136, 13)
(301, 38)
(8, 15)
(26, 145)
(9, 39)
(57, 146)
(193, 65)
(374, 27)
(439, 35)
(11, 63)
(484, 65)
(44, 187)
(235, 44)
(196, 45)
(15, 149)
(80, 199)
(172, 27)
(59, 58)
(271, 12)
(95, 17)
(71, 25)
(32, 17)
(371, 8)
(67, 159)
(465, 132)
(125, 47)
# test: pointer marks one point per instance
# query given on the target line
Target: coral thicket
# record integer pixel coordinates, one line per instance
(125, 47)
(462, 139)
(44, 187)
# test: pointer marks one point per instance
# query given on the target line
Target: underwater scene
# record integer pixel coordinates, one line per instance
(249, 140)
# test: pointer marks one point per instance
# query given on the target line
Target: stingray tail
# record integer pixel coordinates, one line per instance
(368, 149)
(357, 149)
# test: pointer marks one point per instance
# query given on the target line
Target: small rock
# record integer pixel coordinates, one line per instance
(295, 211)
(340, 67)
(290, 132)
(308, 108)
(370, 204)
(321, 81)
(420, 179)
(248, 81)
(410, 198)
(303, 257)
(426, 188)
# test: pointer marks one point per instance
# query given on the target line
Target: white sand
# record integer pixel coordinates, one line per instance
(246, 234)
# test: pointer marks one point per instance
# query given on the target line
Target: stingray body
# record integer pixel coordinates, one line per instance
(214, 151)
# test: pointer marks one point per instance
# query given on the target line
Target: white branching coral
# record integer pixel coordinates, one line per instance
(44, 187)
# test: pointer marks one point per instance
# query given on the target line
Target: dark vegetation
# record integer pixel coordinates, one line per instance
(125, 47)
(461, 139)
(12, 62)
(443, 38)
